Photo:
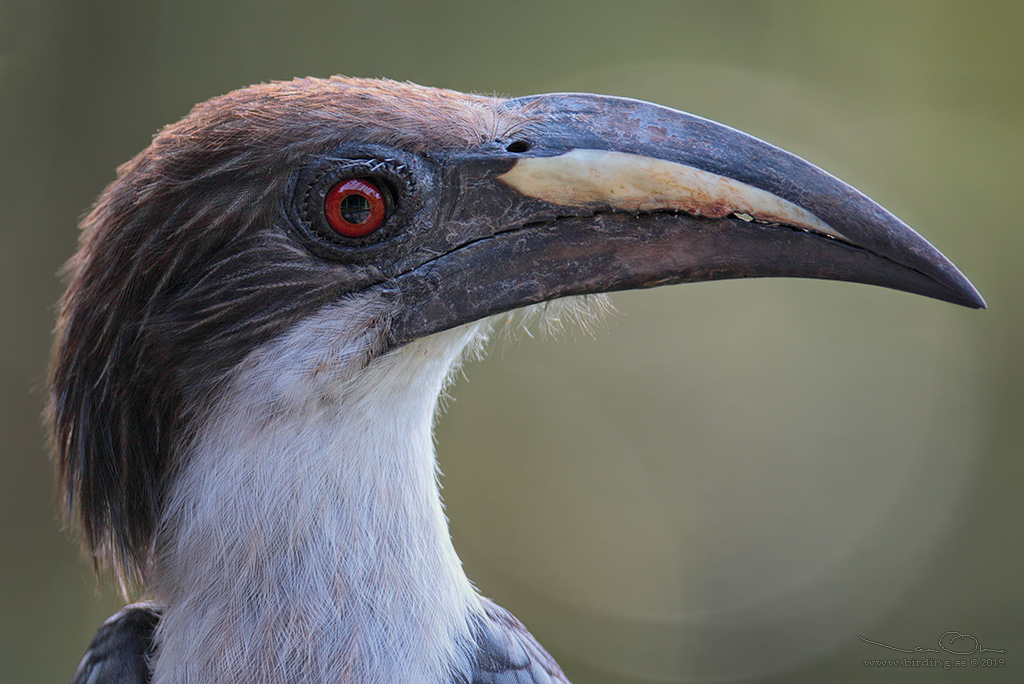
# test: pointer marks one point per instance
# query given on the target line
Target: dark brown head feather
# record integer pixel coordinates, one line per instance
(184, 268)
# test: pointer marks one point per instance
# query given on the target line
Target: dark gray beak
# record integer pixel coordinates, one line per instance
(604, 194)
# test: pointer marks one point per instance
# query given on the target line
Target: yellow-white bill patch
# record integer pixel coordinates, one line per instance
(631, 182)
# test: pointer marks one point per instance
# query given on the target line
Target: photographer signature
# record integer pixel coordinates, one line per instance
(948, 642)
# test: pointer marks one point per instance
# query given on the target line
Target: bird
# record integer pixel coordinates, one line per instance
(268, 301)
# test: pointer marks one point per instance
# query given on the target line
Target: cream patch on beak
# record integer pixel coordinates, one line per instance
(634, 183)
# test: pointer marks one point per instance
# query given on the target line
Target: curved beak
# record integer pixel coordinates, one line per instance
(605, 194)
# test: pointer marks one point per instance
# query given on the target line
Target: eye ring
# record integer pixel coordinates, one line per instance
(355, 207)
(398, 178)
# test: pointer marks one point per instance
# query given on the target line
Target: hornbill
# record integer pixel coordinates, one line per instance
(269, 299)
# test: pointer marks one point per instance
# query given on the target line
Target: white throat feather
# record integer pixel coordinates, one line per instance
(304, 539)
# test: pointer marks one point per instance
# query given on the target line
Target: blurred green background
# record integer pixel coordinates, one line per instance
(727, 481)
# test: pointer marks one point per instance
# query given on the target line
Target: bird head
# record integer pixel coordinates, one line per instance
(268, 205)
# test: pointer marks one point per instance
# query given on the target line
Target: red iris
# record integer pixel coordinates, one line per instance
(355, 207)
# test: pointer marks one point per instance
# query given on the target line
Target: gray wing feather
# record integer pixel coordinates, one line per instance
(508, 654)
(119, 653)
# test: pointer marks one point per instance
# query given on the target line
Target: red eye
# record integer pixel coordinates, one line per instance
(355, 207)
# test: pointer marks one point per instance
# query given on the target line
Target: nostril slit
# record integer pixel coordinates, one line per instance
(517, 146)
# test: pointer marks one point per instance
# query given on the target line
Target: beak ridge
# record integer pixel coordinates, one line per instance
(730, 172)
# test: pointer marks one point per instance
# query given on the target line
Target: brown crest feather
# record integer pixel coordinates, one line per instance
(183, 268)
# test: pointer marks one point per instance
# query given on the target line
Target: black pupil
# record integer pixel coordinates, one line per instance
(355, 208)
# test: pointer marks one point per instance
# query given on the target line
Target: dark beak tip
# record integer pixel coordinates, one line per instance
(955, 288)
(960, 289)
(967, 297)
(974, 300)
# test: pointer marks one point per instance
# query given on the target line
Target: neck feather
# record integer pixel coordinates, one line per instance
(305, 539)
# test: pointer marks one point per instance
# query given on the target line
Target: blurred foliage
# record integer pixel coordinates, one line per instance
(728, 481)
